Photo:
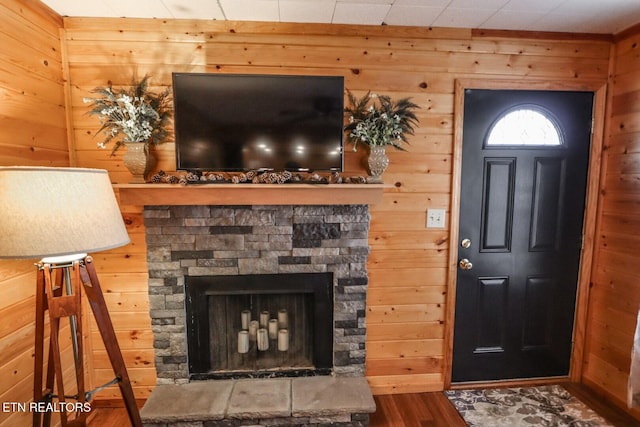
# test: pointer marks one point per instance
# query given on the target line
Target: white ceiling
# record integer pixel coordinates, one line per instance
(579, 16)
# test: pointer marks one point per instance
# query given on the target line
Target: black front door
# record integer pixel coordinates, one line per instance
(524, 171)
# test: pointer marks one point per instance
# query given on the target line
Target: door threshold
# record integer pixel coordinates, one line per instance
(518, 382)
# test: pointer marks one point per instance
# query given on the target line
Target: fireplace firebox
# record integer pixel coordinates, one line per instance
(259, 325)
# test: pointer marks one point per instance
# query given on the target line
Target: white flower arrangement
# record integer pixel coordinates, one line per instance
(381, 124)
(136, 115)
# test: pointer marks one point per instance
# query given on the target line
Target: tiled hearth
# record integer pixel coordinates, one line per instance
(199, 241)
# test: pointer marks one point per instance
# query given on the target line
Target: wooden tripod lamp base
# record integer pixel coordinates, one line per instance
(59, 288)
(60, 215)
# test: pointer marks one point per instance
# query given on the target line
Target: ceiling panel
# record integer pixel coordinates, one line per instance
(563, 23)
(350, 13)
(512, 20)
(536, 6)
(203, 9)
(140, 8)
(423, 3)
(250, 10)
(84, 8)
(588, 16)
(475, 4)
(307, 11)
(463, 18)
(367, 2)
(420, 16)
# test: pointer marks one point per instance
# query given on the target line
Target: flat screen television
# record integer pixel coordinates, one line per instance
(239, 122)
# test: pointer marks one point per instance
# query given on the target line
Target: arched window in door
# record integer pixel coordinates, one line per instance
(526, 126)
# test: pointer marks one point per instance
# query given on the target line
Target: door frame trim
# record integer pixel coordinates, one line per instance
(599, 90)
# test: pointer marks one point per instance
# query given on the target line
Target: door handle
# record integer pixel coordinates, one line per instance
(465, 264)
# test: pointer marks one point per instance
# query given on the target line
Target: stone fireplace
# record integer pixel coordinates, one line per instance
(213, 259)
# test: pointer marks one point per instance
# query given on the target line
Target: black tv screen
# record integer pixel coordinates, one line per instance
(233, 122)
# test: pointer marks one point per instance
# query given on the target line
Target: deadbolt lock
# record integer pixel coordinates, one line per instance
(465, 264)
(466, 243)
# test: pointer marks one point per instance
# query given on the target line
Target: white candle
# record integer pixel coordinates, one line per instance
(283, 340)
(253, 329)
(243, 342)
(283, 319)
(263, 339)
(245, 318)
(273, 329)
(264, 319)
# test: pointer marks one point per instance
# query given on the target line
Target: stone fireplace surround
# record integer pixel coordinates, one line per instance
(268, 238)
(242, 240)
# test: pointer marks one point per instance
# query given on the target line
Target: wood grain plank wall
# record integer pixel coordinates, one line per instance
(408, 263)
(615, 291)
(32, 132)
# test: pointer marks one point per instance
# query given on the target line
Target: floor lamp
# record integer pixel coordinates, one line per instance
(60, 215)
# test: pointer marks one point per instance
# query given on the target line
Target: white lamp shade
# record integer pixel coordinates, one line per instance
(49, 212)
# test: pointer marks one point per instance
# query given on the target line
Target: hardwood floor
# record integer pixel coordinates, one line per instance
(410, 410)
(109, 417)
(415, 410)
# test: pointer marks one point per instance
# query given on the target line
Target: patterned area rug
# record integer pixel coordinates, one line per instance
(524, 406)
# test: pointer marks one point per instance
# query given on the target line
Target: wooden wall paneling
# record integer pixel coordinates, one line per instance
(406, 331)
(124, 280)
(408, 265)
(32, 156)
(32, 133)
(621, 227)
(390, 277)
(607, 380)
(404, 366)
(401, 349)
(17, 371)
(423, 239)
(30, 81)
(17, 375)
(21, 313)
(615, 292)
(132, 358)
(594, 178)
(405, 383)
(42, 56)
(412, 202)
(71, 143)
(142, 382)
(404, 294)
(17, 342)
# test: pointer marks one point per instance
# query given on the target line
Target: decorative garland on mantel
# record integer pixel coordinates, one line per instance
(255, 177)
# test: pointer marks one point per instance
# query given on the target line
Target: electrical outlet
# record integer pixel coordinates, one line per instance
(435, 218)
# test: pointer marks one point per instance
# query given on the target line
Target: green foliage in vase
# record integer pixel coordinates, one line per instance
(377, 120)
(132, 114)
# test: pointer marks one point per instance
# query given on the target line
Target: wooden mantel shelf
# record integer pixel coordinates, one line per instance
(250, 194)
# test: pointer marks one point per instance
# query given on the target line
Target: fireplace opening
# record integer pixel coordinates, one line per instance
(259, 325)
